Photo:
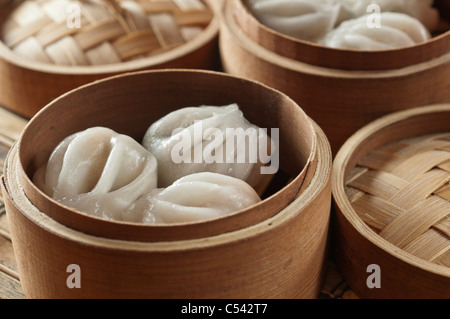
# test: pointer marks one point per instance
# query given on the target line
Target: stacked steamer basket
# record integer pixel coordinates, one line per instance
(274, 249)
(49, 47)
(341, 90)
(391, 193)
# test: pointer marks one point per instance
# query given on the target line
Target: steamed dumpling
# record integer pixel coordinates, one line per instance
(396, 30)
(302, 19)
(99, 172)
(194, 198)
(311, 20)
(204, 139)
(422, 10)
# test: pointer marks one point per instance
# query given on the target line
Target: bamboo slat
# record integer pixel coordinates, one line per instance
(11, 126)
(107, 31)
(411, 188)
(49, 47)
(10, 287)
(391, 188)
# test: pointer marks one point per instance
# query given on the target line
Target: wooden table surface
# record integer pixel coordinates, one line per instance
(11, 126)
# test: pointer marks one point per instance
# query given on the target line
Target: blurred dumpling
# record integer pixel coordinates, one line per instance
(99, 172)
(215, 139)
(194, 198)
(422, 10)
(302, 19)
(396, 30)
(310, 20)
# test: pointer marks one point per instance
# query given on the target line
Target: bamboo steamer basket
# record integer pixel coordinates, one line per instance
(49, 47)
(341, 90)
(390, 185)
(267, 251)
(109, 104)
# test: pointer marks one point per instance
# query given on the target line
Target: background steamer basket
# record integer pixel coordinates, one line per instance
(283, 255)
(390, 185)
(341, 90)
(178, 34)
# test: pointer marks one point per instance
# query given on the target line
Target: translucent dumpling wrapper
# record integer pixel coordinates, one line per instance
(422, 10)
(302, 19)
(215, 139)
(98, 172)
(310, 19)
(194, 198)
(396, 30)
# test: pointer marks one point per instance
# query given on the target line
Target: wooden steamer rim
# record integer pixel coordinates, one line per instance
(405, 275)
(35, 144)
(209, 33)
(322, 56)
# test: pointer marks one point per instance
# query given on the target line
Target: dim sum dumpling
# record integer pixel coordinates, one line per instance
(422, 10)
(206, 139)
(99, 172)
(396, 30)
(302, 19)
(194, 198)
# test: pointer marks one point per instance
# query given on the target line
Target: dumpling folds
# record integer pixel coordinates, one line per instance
(422, 10)
(310, 20)
(396, 30)
(99, 172)
(194, 198)
(205, 139)
(302, 19)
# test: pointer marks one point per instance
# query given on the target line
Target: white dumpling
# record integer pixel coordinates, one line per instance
(194, 198)
(302, 19)
(422, 10)
(99, 172)
(396, 30)
(204, 139)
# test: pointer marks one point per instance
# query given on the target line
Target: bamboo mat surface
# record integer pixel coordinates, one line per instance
(11, 126)
(10, 288)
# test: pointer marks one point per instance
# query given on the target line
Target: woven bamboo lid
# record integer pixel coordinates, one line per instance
(402, 192)
(391, 191)
(97, 32)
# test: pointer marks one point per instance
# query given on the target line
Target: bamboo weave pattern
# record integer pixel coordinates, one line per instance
(402, 192)
(95, 32)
